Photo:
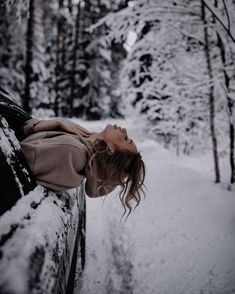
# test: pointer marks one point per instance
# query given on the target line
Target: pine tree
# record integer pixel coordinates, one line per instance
(94, 96)
(12, 53)
(36, 72)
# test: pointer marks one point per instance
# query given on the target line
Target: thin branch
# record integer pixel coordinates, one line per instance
(219, 20)
(183, 32)
(226, 10)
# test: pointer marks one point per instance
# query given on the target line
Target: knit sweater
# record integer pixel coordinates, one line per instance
(59, 160)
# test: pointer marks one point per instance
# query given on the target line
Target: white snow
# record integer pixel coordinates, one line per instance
(180, 239)
(34, 229)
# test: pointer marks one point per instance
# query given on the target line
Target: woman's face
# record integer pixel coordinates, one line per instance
(117, 138)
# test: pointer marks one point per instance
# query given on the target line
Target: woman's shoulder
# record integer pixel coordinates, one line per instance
(64, 138)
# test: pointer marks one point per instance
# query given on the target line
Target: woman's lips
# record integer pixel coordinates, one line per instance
(123, 130)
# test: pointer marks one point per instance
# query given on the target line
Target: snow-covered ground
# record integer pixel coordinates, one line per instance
(180, 239)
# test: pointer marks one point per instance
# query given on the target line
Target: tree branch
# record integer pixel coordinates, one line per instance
(219, 20)
(226, 10)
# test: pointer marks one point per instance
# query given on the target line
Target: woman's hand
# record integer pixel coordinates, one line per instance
(71, 127)
(61, 124)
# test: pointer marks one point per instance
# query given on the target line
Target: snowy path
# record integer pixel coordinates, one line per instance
(180, 240)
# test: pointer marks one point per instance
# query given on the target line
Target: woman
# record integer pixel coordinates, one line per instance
(61, 154)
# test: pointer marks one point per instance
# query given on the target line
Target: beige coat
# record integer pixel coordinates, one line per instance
(59, 160)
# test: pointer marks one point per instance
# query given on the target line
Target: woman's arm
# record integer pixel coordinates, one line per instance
(47, 125)
(61, 124)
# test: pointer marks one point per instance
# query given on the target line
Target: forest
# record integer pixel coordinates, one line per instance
(170, 62)
(165, 70)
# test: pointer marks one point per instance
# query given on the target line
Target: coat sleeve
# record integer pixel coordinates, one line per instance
(28, 126)
(94, 188)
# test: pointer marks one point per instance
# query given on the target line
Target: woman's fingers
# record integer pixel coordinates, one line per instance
(74, 128)
(84, 130)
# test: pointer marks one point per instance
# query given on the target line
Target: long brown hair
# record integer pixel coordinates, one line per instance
(122, 167)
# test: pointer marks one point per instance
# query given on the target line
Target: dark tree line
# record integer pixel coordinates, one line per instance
(50, 60)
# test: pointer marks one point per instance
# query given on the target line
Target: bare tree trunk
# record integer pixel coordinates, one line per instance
(232, 138)
(29, 57)
(230, 103)
(75, 55)
(211, 95)
(231, 115)
(58, 59)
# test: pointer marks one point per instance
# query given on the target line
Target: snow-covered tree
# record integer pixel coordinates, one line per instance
(165, 75)
(98, 62)
(12, 47)
(36, 72)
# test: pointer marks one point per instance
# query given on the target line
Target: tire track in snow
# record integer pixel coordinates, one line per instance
(120, 276)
